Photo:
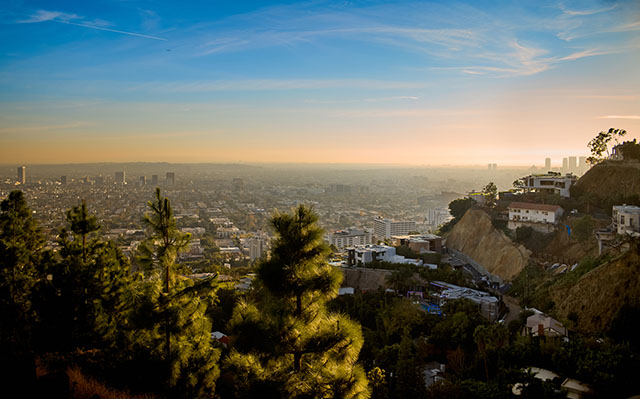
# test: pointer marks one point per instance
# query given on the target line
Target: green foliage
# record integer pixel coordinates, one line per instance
(630, 150)
(171, 334)
(21, 246)
(582, 228)
(409, 382)
(82, 224)
(599, 144)
(459, 207)
(461, 317)
(490, 192)
(491, 337)
(21, 252)
(378, 383)
(608, 368)
(532, 239)
(287, 343)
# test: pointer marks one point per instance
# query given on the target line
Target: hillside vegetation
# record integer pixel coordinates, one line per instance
(610, 183)
(596, 298)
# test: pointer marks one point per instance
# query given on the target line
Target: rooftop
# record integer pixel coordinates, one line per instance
(627, 208)
(535, 207)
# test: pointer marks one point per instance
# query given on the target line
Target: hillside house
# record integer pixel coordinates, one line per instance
(550, 183)
(541, 217)
(363, 254)
(626, 219)
(540, 324)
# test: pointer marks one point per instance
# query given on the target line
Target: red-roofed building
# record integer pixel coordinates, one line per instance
(540, 217)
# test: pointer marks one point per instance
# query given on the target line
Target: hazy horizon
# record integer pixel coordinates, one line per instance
(402, 83)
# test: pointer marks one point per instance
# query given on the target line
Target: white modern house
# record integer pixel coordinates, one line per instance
(551, 183)
(363, 254)
(342, 239)
(626, 219)
(540, 217)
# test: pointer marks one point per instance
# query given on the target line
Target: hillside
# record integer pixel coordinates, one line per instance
(599, 294)
(475, 236)
(608, 178)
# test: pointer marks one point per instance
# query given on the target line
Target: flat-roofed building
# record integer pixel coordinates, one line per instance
(385, 228)
(342, 239)
(541, 217)
(364, 254)
(550, 183)
(626, 219)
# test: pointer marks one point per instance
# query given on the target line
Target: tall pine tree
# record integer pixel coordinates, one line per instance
(172, 331)
(286, 342)
(85, 300)
(21, 251)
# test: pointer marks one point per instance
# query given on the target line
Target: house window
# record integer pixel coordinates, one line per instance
(622, 219)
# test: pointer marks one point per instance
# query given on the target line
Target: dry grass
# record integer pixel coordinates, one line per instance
(84, 387)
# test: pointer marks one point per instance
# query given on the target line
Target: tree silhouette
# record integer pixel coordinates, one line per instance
(600, 144)
(82, 224)
(21, 251)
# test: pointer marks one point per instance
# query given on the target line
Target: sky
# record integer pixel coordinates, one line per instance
(422, 83)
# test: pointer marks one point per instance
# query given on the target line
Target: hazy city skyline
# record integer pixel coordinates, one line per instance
(465, 83)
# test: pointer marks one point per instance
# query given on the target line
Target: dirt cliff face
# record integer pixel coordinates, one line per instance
(475, 236)
(599, 294)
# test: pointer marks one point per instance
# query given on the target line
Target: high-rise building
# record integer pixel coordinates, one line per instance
(154, 180)
(22, 174)
(385, 228)
(120, 177)
(171, 178)
(547, 164)
(573, 164)
(256, 248)
(143, 180)
(565, 164)
(63, 180)
(582, 164)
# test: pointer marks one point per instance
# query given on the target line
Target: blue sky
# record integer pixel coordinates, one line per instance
(352, 81)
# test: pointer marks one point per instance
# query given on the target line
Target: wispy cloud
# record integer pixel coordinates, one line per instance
(66, 18)
(619, 117)
(44, 15)
(484, 44)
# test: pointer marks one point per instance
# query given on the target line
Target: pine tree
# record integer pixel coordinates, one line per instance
(286, 342)
(21, 251)
(82, 224)
(85, 301)
(170, 326)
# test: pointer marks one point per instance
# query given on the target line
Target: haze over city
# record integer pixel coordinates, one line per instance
(428, 83)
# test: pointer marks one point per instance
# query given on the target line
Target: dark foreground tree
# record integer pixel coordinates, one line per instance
(84, 297)
(20, 254)
(171, 333)
(286, 342)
